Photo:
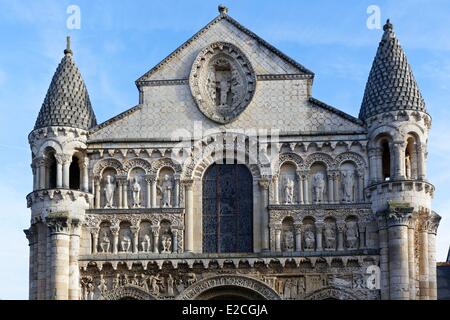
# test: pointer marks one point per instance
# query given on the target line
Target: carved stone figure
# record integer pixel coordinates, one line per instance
(126, 241)
(116, 281)
(170, 283)
(330, 236)
(301, 285)
(408, 166)
(310, 239)
(166, 191)
(318, 185)
(191, 278)
(145, 243)
(289, 191)
(348, 183)
(109, 192)
(288, 240)
(287, 289)
(144, 283)
(167, 243)
(105, 242)
(136, 191)
(102, 287)
(351, 235)
(156, 284)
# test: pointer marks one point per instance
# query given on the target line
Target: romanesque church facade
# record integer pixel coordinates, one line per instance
(229, 180)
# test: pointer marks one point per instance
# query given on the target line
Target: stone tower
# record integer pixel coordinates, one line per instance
(398, 125)
(60, 183)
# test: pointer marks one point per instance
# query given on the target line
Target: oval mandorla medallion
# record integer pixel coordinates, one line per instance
(222, 82)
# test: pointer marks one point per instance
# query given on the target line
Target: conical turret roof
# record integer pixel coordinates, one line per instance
(391, 84)
(67, 101)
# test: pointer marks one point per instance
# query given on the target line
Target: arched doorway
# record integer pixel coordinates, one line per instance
(227, 209)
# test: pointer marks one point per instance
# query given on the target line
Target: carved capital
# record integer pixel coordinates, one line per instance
(187, 183)
(62, 158)
(433, 223)
(58, 224)
(31, 235)
(264, 183)
(399, 214)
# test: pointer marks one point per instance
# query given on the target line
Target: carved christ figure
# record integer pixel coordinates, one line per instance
(289, 191)
(136, 190)
(167, 243)
(348, 183)
(105, 243)
(109, 192)
(145, 244)
(126, 242)
(318, 186)
(166, 191)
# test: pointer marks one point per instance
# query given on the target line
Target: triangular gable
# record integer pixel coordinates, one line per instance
(157, 72)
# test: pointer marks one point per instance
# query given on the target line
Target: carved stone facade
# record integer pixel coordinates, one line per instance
(144, 206)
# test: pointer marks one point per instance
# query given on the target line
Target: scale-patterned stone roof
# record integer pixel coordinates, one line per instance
(391, 84)
(67, 101)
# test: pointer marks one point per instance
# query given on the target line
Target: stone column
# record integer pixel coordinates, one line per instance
(299, 187)
(153, 192)
(155, 231)
(84, 164)
(421, 168)
(305, 188)
(189, 215)
(74, 270)
(175, 240)
(115, 242)
(59, 229)
(373, 164)
(433, 224)
(399, 162)
(33, 260)
(176, 194)
(340, 236)
(319, 229)
(264, 186)
(362, 235)
(298, 237)
(66, 161)
(135, 233)
(125, 193)
(41, 265)
(330, 192)
(384, 255)
(397, 222)
(41, 162)
(120, 193)
(59, 170)
(278, 238)
(336, 186)
(411, 258)
(97, 192)
(276, 190)
(424, 265)
(148, 195)
(360, 186)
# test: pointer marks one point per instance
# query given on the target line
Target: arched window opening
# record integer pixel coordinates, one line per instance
(74, 174)
(386, 160)
(51, 171)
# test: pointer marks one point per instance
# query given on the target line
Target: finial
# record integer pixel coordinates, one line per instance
(68, 50)
(223, 9)
(388, 26)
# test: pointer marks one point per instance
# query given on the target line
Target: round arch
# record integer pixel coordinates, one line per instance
(128, 292)
(223, 286)
(332, 293)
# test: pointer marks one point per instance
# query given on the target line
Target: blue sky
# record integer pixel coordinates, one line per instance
(119, 41)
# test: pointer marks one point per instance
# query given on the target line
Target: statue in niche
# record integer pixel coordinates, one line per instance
(166, 191)
(220, 83)
(145, 243)
(408, 166)
(105, 242)
(125, 280)
(288, 240)
(126, 241)
(116, 282)
(330, 236)
(170, 283)
(348, 182)
(289, 191)
(90, 291)
(318, 185)
(102, 287)
(351, 235)
(135, 280)
(301, 285)
(287, 289)
(156, 284)
(166, 243)
(109, 192)
(310, 240)
(136, 191)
